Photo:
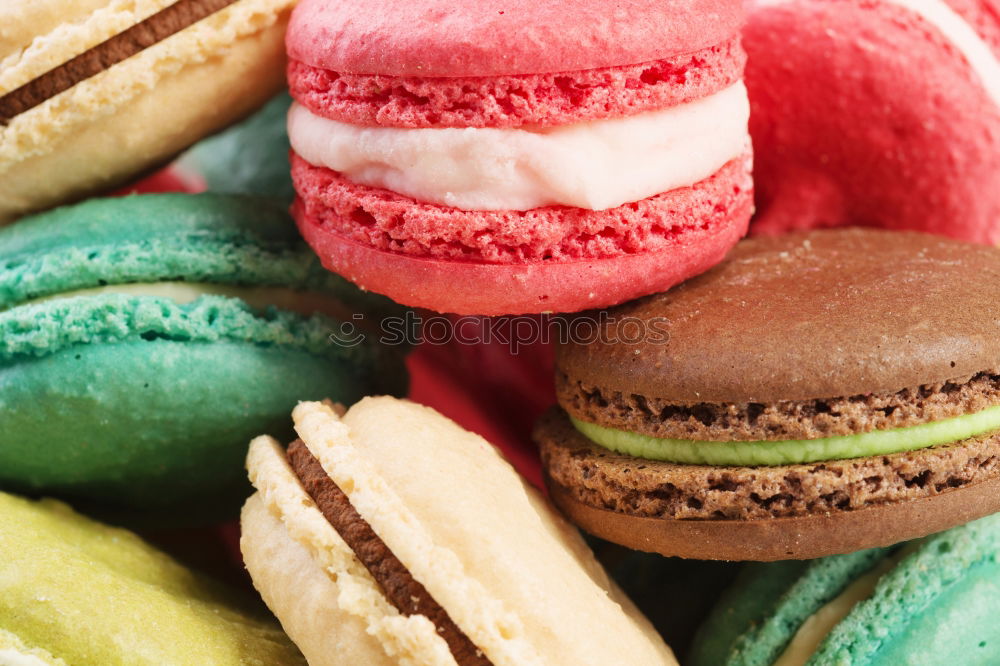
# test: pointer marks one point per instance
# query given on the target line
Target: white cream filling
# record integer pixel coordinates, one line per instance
(818, 625)
(259, 298)
(956, 30)
(594, 165)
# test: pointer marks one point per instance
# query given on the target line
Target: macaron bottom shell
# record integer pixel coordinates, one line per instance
(465, 287)
(146, 425)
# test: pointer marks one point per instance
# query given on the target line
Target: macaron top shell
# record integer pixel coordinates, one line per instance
(806, 316)
(431, 38)
(204, 238)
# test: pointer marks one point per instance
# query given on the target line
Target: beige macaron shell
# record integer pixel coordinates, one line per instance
(44, 34)
(140, 112)
(328, 603)
(24, 21)
(510, 572)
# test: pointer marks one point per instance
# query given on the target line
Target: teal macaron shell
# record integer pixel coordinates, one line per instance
(938, 604)
(142, 407)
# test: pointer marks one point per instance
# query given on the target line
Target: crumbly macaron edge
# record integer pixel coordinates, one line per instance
(34, 331)
(412, 639)
(942, 560)
(30, 133)
(489, 624)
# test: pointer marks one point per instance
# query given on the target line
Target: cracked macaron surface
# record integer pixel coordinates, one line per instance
(523, 160)
(146, 339)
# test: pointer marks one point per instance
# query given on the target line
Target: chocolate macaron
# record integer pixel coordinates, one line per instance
(817, 393)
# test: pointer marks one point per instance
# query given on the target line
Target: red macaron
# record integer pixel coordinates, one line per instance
(880, 113)
(527, 158)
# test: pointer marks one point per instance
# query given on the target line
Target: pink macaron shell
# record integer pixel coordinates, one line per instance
(863, 113)
(462, 38)
(511, 101)
(393, 222)
(464, 287)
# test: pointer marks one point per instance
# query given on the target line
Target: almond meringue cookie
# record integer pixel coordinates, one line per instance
(546, 157)
(388, 535)
(94, 93)
(74, 591)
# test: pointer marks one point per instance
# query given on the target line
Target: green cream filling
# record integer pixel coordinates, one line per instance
(792, 451)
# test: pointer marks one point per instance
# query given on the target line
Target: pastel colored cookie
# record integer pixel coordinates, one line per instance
(817, 393)
(94, 93)
(536, 158)
(933, 601)
(145, 340)
(883, 113)
(389, 535)
(74, 591)
(248, 158)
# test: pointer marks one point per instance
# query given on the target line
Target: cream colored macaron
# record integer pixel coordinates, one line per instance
(93, 92)
(390, 535)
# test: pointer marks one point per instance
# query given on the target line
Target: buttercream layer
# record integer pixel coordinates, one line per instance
(515, 100)
(595, 165)
(402, 590)
(602, 478)
(390, 222)
(792, 451)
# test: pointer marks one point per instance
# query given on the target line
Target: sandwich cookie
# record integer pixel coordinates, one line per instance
(933, 601)
(389, 535)
(880, 113)
(816, 394)
(145, 340)
(95, 92)
(537, 157)
(74, 591)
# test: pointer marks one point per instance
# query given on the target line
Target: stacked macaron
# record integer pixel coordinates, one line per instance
(882, 113)
(933, 601)
(388, 535)
(94, 92)
(533, 157)
(145, 340)
(815, 394)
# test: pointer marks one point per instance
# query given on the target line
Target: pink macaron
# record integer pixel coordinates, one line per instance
(519, 157)
(876, 112)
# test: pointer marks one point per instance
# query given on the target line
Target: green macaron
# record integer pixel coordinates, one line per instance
(929, 602)
(251, 157)
(74, 591)
(145, 340)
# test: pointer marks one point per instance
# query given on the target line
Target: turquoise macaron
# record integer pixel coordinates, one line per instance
(929, 602)
(145, 340)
